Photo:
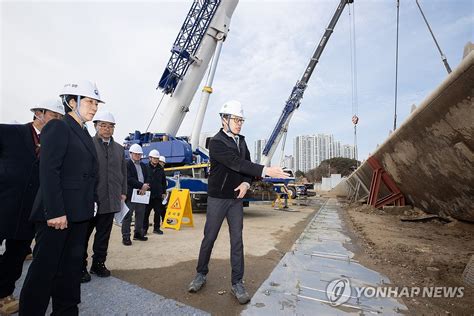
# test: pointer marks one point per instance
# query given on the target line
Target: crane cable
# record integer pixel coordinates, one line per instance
(355, 110)
(396, 69)
(154, 113)
(443, 56)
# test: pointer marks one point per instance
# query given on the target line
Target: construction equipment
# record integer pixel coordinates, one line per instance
(201, 36)
(136, 149)
(200, 39)
(204, 29)
(281, 128)
(297, 92)
(53, 105)
(81, 88)
(104, 116)
(283, 196)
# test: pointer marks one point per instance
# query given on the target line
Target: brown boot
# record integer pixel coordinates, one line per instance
(9, 305)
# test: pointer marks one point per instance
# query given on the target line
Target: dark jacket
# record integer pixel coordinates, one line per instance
(68, 173)
(19, 181)
(157, 181)
(112, 175)
(229, 166)
(132, 177)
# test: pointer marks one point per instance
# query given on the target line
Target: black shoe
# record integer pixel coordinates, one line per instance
(240, 293)
(126, 241)
(98, 268)
(85, 277)
(197, 283)
(139, 237)
(158, 231)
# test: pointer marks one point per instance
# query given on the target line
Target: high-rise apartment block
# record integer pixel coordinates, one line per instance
(310, 150)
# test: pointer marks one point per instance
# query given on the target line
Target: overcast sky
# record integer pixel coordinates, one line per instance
(124, 47)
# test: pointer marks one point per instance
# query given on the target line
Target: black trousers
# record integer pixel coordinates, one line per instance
(11, 264)
(139, 210)
(103, 227)
(159, 210)
(55, 271)
(217, 210)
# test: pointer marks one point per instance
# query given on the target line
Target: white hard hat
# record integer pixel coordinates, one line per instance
(154, 153)
(104, 116)
(53, 105)
(136, 149)
(162, 159)
(232, 107)
(83, 88)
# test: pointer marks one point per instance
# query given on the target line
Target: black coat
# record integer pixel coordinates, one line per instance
(132, 177)
(157, 181)
(68, 173)
(230, 166)
(18, 181)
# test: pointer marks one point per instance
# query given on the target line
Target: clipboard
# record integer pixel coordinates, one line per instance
(142, 199)
(119, 216)
(165, 200)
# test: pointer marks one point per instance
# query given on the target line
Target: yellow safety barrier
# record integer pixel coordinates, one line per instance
(179, 211)
(281, 202)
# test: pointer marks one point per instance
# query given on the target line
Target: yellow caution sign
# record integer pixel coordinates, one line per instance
(176, 205)
(179, 211)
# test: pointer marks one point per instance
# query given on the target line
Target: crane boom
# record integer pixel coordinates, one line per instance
(296, 95)
(200, 38)
(207, 23)
(186, 44)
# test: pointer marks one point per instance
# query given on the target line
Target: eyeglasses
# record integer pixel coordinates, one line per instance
(238, 120)
(109, 126)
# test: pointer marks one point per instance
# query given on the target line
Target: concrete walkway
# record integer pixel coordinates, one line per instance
(320, 275)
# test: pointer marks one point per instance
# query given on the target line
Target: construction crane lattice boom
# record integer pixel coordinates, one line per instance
(187, 43)
(296, 95)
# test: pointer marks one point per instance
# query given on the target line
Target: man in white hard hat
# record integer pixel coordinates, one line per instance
(47, 111)
(63, 206)
(111, 190)
(229, 179)
(162, 162)
(19, 154)
(137, 174)
(157, 180)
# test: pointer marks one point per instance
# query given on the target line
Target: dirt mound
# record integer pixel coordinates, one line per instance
(428, 253)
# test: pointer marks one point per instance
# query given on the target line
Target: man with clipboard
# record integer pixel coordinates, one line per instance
(136, 191)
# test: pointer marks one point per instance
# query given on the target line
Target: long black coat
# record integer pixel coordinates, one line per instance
(132, 177)
(18, 181)
(68, 173)
(157, 181)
